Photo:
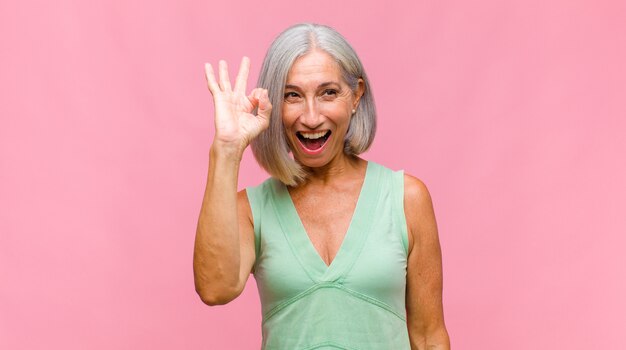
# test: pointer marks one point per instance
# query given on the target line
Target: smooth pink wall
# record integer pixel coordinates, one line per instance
(512, 112)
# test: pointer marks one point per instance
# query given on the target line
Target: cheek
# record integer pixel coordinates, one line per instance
(290, 114)
(337, 106)
(337, 111)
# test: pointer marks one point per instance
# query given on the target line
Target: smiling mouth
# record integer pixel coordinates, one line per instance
(313, 141)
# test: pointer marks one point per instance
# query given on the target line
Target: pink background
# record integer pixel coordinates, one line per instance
(512, 112)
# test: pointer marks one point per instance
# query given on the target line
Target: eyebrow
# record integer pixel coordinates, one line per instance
(322, 85)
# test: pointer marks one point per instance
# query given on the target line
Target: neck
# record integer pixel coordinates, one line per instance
(340, 168)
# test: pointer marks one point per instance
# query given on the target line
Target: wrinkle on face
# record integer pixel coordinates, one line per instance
(317, 98)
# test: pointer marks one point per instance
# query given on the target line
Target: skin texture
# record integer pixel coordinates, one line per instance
(316, 99)
(424, 305)
(224, 244)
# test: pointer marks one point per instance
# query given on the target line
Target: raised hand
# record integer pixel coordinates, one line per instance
(235, 125)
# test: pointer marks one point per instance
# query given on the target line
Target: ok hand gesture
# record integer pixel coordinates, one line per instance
(235, 125)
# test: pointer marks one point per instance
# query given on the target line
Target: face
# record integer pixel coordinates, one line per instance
(317, 108)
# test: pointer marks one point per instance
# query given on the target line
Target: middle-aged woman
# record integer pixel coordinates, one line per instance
(345, 251)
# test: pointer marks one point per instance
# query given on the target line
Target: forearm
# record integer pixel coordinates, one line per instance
(216, 259)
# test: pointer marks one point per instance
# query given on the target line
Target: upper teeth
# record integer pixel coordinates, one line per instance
(313, 135)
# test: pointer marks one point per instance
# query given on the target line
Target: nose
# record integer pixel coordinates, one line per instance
(311, 117)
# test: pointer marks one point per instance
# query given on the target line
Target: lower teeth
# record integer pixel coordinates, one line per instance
(313, 144)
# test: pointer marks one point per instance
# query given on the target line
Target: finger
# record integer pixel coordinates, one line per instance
(224, 79)
(265, 107)
(255, 96)
(210, 78)
(242, 76)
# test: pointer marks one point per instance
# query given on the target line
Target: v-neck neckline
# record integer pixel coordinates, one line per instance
(352, 242)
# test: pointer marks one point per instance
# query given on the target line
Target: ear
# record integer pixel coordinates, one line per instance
(358, 93)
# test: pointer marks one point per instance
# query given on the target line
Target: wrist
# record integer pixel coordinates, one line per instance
(226, 151)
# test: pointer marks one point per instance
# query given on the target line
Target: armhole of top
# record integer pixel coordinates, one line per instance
(253, 199)
(398, 185)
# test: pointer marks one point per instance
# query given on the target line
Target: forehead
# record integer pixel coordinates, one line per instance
(314, 68)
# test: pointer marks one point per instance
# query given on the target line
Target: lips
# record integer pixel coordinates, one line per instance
(313, 142)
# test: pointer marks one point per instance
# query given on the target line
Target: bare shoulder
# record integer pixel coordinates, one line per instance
(242, 198)
(418, 209)
(246, 234)
(243, 205)
(246, 222)
(416, 194)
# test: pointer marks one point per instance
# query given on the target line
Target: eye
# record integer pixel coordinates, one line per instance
(330, 92)
(290, 96)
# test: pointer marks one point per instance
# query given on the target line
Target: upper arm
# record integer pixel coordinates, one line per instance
(424, 271)
(246, 238)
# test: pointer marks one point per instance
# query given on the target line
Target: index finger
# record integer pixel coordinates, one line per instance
(242, 76)
(210, 78)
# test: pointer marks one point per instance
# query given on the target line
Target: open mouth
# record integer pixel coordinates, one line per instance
(313, 140)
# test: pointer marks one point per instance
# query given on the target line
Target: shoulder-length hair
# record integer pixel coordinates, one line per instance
(271, 148)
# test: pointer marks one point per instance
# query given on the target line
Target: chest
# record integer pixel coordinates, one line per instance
(327, 240)
(326, 217)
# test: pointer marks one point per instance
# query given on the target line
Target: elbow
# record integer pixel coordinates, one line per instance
(436, 338)
(214, 298)
(217, 289)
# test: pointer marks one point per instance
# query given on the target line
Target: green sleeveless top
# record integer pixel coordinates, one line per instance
(358, 302)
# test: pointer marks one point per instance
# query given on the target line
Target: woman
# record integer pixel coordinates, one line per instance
(345, 251)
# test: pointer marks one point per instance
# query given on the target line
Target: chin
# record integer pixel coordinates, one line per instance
(320, 160)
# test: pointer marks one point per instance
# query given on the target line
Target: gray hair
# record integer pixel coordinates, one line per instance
(271, 148)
